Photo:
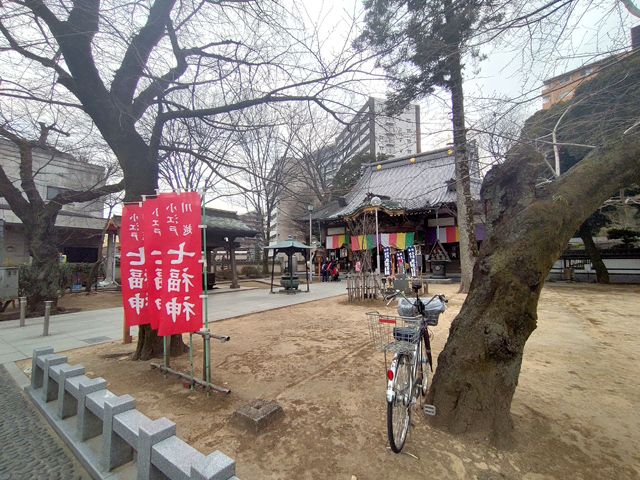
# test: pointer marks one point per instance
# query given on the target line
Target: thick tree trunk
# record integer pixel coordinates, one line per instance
(149, 344)
(602, 274)
(477, 372)
(93, 274)
(44, 281)
(464, 200)
(264, 253)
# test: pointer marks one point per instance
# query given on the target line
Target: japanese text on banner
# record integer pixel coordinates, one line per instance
(181, 263)
(400, 262)
(387, 261)
(135, 298)
(154, 249)
(411, 251)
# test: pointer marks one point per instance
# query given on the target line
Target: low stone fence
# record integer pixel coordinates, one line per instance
(109, 432)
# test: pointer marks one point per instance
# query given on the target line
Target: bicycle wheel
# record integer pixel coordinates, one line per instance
(399, 410)
(423, 369)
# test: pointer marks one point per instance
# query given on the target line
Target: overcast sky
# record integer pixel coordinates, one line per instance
(509, 71)
(506, 72)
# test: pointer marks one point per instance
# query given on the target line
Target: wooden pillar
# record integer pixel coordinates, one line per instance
(273, 267)
(126, 332)
(110, 268)
(234, 272)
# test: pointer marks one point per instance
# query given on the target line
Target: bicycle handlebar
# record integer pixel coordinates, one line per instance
(440, 296)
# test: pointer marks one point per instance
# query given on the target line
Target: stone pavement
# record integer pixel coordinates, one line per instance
(75, 330)
(29, 449)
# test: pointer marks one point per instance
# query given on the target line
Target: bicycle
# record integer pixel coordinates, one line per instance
(407, 337)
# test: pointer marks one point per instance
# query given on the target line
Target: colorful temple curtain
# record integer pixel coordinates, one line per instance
(451, 234)
(400, 241)
(336, 241)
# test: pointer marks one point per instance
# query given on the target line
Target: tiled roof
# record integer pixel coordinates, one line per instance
(288, 244)
(404, 184)
(219, 221)
(229, 222)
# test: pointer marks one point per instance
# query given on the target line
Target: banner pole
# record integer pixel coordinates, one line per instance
(191, 359)
(206, 287)
(164, 348)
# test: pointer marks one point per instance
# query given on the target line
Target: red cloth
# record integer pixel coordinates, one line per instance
(135, 297)
(153, 249)
(181, 263)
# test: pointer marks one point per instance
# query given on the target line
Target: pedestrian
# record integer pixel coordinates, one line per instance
(323, 270)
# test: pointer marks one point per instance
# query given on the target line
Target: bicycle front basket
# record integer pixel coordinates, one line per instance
(387, 329)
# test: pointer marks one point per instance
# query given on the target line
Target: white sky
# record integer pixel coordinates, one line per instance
(506, 72)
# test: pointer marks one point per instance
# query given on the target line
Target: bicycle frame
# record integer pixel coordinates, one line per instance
(416, 361)
(405, 390)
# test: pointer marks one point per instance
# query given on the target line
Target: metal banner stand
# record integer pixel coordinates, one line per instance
(205, 333)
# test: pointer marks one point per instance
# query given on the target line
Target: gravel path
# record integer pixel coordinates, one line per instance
(29, 448)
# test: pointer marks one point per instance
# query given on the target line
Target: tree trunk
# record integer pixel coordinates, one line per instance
(44, 279)
(464, 200)
(602, 275)
(149, 344)
(93, 274)
(529, 227)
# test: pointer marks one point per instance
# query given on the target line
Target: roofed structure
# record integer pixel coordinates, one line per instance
(410, 183)
(225, 223)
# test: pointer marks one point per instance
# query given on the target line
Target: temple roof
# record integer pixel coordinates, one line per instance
(408, 183)
(285, 245)
(228, 222)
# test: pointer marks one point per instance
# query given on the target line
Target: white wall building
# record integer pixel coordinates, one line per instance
(79, 225)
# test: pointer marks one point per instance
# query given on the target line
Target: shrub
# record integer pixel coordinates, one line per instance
(70, 274)
(628, 236)
(249, 271)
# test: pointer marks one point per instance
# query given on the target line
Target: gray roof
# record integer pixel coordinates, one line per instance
(228, 221)
(404, 184)
(287, 245)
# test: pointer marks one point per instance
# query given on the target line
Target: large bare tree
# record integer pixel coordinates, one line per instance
(37, 214)
(263, 153)
(134, 67)
(530, 220)
(423, 47)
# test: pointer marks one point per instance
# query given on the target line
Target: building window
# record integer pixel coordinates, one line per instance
(53, 191)
(566, 95)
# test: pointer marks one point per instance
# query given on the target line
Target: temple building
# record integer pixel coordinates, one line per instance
(413, 198)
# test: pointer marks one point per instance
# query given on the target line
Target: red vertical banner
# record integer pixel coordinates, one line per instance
(179, 219)
(135, 298)
(154, 250)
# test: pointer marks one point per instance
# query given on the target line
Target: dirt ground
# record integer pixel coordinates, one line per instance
(575, 410)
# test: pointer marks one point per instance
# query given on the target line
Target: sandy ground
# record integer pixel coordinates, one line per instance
(575, 410)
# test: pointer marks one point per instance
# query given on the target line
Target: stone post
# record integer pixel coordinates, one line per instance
(47, 313)
(23, 310)
(111, 258)
(234, 271)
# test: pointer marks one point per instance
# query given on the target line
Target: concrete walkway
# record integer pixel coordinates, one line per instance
(30, 448)
(76, 330)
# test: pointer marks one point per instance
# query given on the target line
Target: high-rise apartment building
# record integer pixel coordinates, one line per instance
(375, 132)
(372, 131)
